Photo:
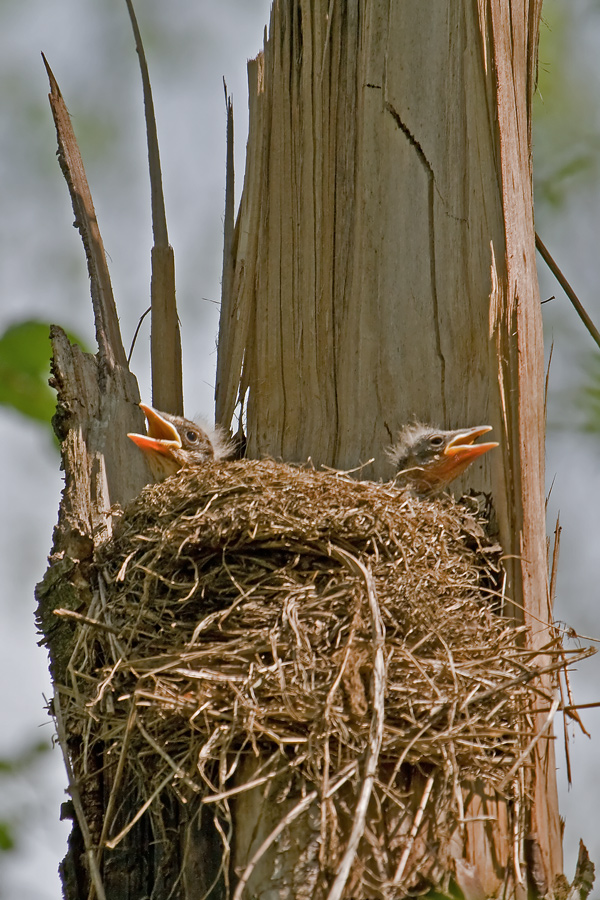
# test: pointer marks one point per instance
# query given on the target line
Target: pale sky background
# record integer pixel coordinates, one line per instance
(191, 45)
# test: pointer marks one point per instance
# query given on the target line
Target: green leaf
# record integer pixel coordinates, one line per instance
(7, 841)
(25, 368)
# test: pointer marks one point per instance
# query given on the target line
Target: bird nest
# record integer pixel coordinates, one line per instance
(325, 644)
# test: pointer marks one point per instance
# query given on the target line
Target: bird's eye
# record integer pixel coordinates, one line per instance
(191, 436)
(436, 441)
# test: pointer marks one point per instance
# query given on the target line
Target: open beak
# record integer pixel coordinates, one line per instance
(162, 436)
(461, 447)
(460, 451)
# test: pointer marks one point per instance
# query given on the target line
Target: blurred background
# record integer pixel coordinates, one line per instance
(191, 45)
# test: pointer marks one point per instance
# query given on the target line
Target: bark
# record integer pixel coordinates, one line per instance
(383, 267)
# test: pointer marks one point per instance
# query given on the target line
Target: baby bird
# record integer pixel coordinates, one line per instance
(428, 459)
(173, 442)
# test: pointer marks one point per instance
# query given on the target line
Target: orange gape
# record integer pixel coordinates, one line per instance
(427, 459)
(173, 442)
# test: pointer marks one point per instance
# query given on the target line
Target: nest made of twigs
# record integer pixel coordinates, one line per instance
(341, 632)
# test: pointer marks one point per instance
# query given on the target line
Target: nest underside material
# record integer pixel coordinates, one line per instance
(238, 615)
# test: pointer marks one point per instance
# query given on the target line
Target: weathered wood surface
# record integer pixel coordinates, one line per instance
(383, 267)
(98, 396)
(97, 405)
(165, 337)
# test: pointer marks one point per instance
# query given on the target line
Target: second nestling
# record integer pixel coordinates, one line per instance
(426, 459)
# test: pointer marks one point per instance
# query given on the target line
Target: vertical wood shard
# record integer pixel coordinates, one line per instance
(227, 331)
(108, 333)
(167, 375)
(97, 396)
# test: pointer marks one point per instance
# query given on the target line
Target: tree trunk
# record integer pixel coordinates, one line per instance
(383, 267)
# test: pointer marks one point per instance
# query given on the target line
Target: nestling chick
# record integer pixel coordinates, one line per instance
(428, 459)
(173, 442)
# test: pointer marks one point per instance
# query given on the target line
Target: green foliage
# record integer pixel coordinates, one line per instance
(7, 841)
(25, 368)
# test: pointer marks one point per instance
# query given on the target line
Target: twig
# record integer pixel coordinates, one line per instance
(554, 568)
(137, 331)
(567, 632)
(247, 786)
(344, 473)
(550, 262)
(86, 620)
(547, 383)
(573, 706)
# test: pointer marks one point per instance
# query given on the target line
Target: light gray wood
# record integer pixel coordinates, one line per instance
(96, 410)
(165, 337)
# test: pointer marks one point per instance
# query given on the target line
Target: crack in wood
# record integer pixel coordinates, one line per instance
(434, 297)
(410, 137)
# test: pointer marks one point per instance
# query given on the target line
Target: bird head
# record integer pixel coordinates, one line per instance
(173, 442)
(428, 459)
